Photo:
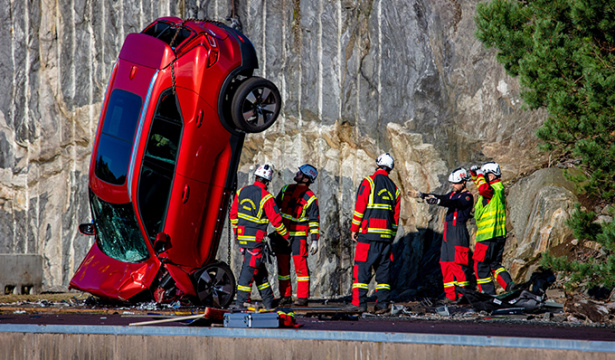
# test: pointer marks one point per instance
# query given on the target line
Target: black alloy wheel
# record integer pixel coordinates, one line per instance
(215, 285)
(256, 105)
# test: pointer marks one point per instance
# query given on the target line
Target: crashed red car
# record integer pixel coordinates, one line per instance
(180, 99)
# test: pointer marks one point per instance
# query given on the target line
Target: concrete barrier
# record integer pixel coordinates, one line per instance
(37, 342)
(21, 273)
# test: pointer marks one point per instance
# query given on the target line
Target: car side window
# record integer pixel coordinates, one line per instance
(159, 161)
(117, 136)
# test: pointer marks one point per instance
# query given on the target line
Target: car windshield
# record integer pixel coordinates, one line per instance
(117, 231)
(168, 33)
(116, 138)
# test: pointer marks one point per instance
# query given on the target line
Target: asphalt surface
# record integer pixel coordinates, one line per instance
(482, 327)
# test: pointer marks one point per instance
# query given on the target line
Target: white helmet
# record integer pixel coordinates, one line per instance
(458, 175)
(309, 171)
(491, 167)
(385, 160)
(264, 171)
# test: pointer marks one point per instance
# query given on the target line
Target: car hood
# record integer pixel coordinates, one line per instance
(108, 278)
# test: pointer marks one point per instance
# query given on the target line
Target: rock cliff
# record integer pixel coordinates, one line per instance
(357, 77)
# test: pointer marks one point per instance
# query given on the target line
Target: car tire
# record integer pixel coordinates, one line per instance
(256, 105)
(215, 285)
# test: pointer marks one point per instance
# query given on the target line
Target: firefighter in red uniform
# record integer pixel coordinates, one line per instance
(253, 208)
(374, 225)
(455, 248)
(299, 207)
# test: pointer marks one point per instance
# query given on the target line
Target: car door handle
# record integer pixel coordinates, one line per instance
(199, 119)
(185, 194)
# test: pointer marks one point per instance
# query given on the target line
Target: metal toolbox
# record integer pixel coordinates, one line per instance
(252, 320)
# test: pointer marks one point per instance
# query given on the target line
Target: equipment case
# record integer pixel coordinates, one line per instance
(251, 320)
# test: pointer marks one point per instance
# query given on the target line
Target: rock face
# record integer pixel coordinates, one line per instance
(357, 77)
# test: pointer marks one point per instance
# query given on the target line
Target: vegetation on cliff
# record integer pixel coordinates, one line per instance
(563, 52)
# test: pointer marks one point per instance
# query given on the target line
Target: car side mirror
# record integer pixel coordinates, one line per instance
(87, 229)
(162, 243)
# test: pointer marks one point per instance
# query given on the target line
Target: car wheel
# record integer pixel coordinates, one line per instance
(215, 285)
(256, 105)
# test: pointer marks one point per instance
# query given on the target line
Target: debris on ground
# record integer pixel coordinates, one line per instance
(554, 305)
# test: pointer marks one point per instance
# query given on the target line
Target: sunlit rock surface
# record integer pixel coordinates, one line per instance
(357, 78)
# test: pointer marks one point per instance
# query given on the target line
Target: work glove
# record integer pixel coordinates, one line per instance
(475, 169)
(417, 194)
(314, 247)
(432, 201)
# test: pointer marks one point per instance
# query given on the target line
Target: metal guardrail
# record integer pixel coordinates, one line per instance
(294, 334)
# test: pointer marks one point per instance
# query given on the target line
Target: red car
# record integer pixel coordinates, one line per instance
(179, 101)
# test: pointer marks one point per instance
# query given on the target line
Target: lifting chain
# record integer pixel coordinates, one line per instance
(232, 17)
(230, 203)
(179, 27)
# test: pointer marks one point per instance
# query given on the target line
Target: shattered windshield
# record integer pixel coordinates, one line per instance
(118, 233)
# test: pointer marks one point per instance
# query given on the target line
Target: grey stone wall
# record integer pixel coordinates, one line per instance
(357, 77)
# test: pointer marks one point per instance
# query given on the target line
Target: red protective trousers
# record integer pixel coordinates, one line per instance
(299, 253)
(454, 258)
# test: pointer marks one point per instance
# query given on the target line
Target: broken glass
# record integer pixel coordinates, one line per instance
(117, 231)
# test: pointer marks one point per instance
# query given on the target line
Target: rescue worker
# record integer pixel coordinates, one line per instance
(374, 225)
(252, 209)
(490, 215)
(300, 214)
(455, 248)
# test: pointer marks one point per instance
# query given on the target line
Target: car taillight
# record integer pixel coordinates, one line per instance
(212, 54)
(213, 57)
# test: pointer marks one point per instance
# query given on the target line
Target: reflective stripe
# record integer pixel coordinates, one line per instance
(498, 271)
(356, 222)
(283, 191)
(244, 288)
(246, 238)
(449, 284)
(283, 230)
(380, 206)
(309, 202)
(383, 287)
(463, 284)
(484, 280)
(262, 205)
(371, 193)
(383, 232)
(263, 286)
(285, 277)
(314, 231)
(296, 233)
(360, 286)
(302, 219)
(314, 224)
(303, 278)
(252, 218)
(358, 214)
